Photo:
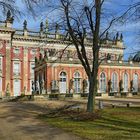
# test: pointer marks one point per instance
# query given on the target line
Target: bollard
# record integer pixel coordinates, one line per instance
(100, 104)
(128, 104)
(113, 106)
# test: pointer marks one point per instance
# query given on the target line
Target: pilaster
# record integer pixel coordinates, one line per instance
(25, 69)
(8, 68)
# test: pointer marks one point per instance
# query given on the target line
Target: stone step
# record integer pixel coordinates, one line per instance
(40, 97)
(8, 98)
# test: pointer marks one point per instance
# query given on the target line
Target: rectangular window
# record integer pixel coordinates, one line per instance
(31, 88)
(16, 68)
(33, 51)
(16, 50)
(32, 65)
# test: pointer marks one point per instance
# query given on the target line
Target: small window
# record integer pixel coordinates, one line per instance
(112, 57)
(16, 50)
(33, 51)
(32, 65)
(16, 68)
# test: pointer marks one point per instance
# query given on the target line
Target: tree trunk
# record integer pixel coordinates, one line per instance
(91, 96)
(93, 85)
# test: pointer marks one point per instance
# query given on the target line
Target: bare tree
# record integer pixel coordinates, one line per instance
(13, 6)
(82, 20)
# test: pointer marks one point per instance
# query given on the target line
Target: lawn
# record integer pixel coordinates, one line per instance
(114, 124)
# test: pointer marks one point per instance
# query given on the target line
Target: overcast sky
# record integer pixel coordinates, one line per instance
(129, 29)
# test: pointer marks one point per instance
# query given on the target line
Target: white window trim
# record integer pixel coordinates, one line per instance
(102, 91)
(19, 87)
(77, 82)
(124, 82)
(19, 71)
(135, 74)
(32, 70)
(33, 51)
(114, 90)
(16, 49)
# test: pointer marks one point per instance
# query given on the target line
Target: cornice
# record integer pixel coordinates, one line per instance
(6, 30)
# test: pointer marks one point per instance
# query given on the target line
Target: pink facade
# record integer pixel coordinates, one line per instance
(124, 77)
(57, 70)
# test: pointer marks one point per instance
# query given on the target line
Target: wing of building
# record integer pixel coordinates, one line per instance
(38, 62)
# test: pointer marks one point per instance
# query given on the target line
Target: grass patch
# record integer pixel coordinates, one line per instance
(113, 124)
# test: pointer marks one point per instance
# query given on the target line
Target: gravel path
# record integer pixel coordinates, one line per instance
(18, 122)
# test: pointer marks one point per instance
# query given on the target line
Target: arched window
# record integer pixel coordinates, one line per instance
(102, 82)
(114, 81)
(62, 82)
(125, 82)
(62, 76)
(77, 82)
(135, 82)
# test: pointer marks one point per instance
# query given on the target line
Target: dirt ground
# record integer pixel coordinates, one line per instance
(18, 121)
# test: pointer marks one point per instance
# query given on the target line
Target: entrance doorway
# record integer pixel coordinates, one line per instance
(16, 84)
(63, 82)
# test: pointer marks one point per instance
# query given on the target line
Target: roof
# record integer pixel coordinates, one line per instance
(136, 58)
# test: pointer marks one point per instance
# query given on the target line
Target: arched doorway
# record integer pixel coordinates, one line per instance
(125, 82)
(77, 82)
(102, 82)
(16, 84)
(135, 82)
(63, 82)
(114, 81)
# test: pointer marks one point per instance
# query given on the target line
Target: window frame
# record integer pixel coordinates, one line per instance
(77, 82)
(15, 50)
(125, 82)
(19, 68)
(114, 83)
(134, 84)
(103, 85)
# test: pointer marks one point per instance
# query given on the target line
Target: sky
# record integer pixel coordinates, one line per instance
(129, 29)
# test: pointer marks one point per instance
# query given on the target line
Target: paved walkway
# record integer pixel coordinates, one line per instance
(18, 122)
(120, 100)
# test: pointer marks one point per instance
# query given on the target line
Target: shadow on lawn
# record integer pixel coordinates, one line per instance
(114, 124)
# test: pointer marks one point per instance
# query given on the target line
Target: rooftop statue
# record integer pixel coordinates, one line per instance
(25, 25)
(41, 26)
(9, 17)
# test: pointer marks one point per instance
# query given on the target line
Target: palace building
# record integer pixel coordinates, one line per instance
(37, 62)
